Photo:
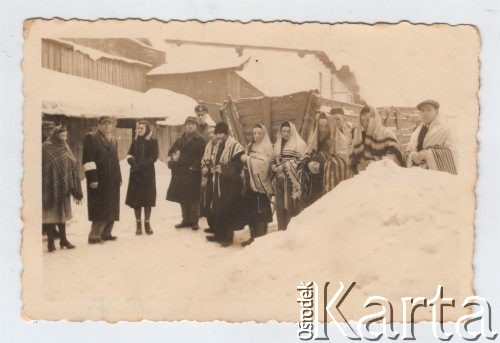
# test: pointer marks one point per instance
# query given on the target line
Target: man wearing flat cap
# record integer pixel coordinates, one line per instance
(432, 145)
(102, 171)
(184, 159)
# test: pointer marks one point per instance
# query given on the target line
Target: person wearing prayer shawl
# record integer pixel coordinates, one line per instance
(373, 141)
(326, 162)
(60, 181)
(206, 179)
(432, 145)
(227, 209)
(288, 151)
(345, 127)
(258, 182)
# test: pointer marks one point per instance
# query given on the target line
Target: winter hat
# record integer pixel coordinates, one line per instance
(103, 119)
(221, 128)
(337, 110)
(365, 109)
(191, 119)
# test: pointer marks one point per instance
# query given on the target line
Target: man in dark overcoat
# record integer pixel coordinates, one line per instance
(102, 171)
(184, 159)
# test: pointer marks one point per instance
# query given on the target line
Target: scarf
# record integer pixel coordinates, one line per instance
(259, 163)
(289, 157)
(60, 175)
(379, 141)
(140, 143)
(439, 147)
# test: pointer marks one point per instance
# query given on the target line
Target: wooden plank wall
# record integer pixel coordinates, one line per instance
(271, 112)
(79, 127)
(207, 86)
(62, 58)
(166, 136)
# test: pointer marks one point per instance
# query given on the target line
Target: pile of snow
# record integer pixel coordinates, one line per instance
(77, 96)
(396, 232)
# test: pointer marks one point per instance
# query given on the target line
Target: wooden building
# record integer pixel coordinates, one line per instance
(88, 99)
(210, 72)
(209, 80)
(74, 59)
(138, 49)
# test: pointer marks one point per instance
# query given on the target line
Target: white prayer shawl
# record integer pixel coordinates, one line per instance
(439, 147)
(207, 155)
(340, 143)
(231, 149)
(289, 157)
(259, 164)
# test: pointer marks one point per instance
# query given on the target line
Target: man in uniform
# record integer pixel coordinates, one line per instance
(203, 127)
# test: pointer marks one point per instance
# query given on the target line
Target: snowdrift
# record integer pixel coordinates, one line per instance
(396, 232)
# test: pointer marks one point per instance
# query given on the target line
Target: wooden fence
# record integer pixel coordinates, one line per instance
(300, 109)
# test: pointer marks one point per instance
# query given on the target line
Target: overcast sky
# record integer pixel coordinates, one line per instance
(395, 64)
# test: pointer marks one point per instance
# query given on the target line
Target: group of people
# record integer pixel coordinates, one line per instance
(231, 185)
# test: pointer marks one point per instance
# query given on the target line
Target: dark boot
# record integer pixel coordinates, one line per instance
(49, 231)
(182, 225)
(148, 228)
(247, 242)
(63, 241)
(138, 230)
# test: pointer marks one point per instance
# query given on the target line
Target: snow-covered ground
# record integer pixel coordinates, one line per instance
(396, 232)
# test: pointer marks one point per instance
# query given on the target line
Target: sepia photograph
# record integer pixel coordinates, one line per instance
(214, 171)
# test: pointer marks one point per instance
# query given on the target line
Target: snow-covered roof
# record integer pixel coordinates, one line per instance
(197, 65)
(276, 77)
(97, 54)
(76, 96)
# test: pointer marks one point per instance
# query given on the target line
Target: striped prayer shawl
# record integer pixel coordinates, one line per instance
(379, 142)
(336, 170)
(231, 149)
(440, 158)
(439, 147)
(289, 157)
(437, 158)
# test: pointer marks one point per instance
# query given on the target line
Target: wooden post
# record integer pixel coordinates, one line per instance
(267, 116)
(235, 118)
(311, 102)
(308, 120)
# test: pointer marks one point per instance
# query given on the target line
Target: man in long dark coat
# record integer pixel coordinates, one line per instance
(102, 171)
(184, 159)
(227, 209)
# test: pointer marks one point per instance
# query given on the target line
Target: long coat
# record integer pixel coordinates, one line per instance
(101, 164)
(186, 172)
(142, 155)
(227, 200)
